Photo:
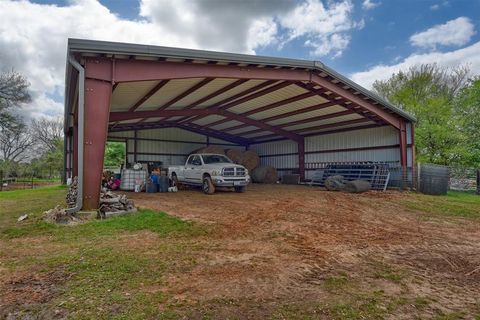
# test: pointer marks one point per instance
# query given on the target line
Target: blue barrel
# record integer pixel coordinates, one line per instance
(163, 183)
(151, 187)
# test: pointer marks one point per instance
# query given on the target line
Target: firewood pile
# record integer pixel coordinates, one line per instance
(59, 215)
(111, 204)
(72, 193)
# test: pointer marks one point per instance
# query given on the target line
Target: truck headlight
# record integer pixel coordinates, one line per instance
(216, 173)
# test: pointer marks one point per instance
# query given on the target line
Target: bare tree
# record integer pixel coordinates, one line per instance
(13, 92)
(48, 132)
(15, 142)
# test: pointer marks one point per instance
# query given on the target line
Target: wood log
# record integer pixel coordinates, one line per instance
(357, 186)
(265, 174)
(250, 160)
(234, 154)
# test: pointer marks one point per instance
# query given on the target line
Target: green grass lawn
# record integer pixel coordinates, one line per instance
(107, 269)
(455, 203)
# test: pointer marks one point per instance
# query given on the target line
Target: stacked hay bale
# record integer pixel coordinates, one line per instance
(250, 160)
(210, 149)
(265, 174)
(234, 154)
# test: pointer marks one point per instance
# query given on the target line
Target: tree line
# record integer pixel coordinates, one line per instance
(27, 147)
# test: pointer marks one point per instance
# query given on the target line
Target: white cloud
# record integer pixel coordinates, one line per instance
(33, 37)
(434, 7)
(369, 4)
(457, 32)
(326, 28)
(468, 55)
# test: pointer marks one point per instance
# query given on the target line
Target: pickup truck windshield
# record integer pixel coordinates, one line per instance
(214, 158)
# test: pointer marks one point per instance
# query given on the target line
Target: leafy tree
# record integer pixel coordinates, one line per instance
(468, 113)
(429, 93)
(114, 154)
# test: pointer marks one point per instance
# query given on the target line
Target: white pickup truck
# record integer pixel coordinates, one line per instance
(210, 171)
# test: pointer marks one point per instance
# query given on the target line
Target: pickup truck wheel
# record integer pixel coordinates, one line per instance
(208, 186)
(174, 180)
(240, 189)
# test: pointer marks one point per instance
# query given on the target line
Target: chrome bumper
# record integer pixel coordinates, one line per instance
(231, 181)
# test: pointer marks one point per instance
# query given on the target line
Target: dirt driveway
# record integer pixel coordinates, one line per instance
(310, 246)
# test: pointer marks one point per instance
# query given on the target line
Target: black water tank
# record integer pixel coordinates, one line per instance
(163, 184)
(434, 179)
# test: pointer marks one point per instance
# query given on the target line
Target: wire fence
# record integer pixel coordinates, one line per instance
(26, 180)
(426, 178)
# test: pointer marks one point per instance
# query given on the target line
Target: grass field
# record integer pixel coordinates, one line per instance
(150, 265)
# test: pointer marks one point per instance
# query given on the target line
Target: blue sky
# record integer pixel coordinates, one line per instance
(362, 39)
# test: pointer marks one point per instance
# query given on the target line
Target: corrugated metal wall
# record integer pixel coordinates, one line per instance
(281, 154)
(168, 145)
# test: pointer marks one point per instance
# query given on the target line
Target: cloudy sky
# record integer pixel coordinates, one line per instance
(363, 39)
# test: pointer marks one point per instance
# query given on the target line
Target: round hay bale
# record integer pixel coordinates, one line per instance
(357, 186)
(234, 154)
(213, 149)
(250, 160)
(265, 174)
(199, 150)
(335, 183)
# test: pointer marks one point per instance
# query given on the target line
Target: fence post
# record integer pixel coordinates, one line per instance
(478, 181)
(1, 180)
(418, 175)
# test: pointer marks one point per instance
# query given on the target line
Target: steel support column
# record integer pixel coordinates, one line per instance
(403, 144)
(135, 145)
(97, 109)
(301, 158)
(75, 149)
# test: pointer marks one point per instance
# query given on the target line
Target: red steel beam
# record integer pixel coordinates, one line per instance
(185, 93)
(325, 126)
(301, 158)
(341, 101)
(191, 128)
(321, 133)
(313, 119)
(236, 96)
(269, 106)
(127, 70)
(374, 109)
(216, 93)
(150, 93)
(291, 113)
(403, 144)
(333, 125)
(122, 116)
(97, 105)
(248, 98)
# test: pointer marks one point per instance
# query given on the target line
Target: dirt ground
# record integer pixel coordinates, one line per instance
(307, 245)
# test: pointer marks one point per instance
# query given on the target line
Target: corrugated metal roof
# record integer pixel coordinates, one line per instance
(127, 95)
(169, 91)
